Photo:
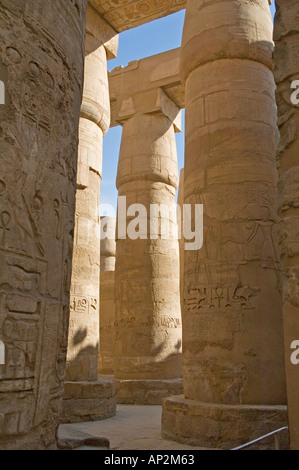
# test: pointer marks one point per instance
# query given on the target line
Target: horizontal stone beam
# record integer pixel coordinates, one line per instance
(132, 13)
(148, 85)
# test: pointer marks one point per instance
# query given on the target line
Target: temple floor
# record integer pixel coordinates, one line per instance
(135, 427)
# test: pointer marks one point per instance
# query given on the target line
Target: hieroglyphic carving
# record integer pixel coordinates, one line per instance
(38, 140)
(130, 13)
(220, 298)
(83, 304)
(163, 321)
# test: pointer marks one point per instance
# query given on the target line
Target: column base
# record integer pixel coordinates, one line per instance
(146, 392)
(215, 426)
(70, 438)
(88, 401)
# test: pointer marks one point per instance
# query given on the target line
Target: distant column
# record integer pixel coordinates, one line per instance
(233, 365)
(181, 238)
(148, 320)
(286, 73)
(107, 294)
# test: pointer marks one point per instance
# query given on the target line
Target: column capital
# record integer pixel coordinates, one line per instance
(229, 31)
(100, 33)
(147, 86)
(149, 102)
(101, 44)
(95, 101)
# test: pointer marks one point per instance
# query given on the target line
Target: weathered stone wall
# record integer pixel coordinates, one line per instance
(286, 71)
(42, 49)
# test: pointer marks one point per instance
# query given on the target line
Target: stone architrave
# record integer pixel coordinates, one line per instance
(233, 360)
(87, 397)
(107, 296)
(126, 14)
(286, 58)
(42, 53)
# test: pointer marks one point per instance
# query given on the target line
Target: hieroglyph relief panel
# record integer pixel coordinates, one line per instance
(38, 154)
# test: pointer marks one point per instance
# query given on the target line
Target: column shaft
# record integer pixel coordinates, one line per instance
(148, 323)
(87, 398)
(181, 240)
(42, 50)
(232, 324)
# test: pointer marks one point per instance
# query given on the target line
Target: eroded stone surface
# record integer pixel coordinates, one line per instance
(42, 48)
(146, 392)
(223, 426)
(70, 439)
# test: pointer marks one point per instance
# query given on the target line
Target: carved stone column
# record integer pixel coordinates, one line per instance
(233, 364)
(42, 52)
(148, 322)
(87, 398)
(107, 296)
(286, 73)
(181, 238)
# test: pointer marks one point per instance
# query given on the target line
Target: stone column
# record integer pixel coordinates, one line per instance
(107, 294)
(181, 238)
(42, 51)
(148, 321)
(286, 72)
(87, 398)
(233, 365)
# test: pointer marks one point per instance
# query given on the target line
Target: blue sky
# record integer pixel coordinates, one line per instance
(149, 39)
